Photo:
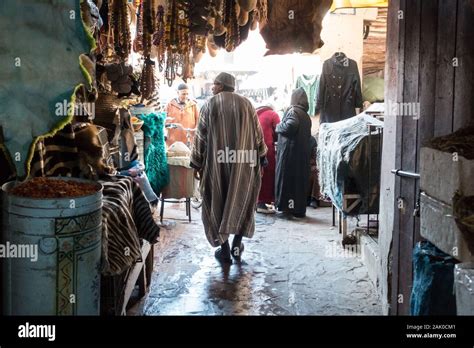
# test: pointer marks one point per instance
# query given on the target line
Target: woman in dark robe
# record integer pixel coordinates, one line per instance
(293, 158)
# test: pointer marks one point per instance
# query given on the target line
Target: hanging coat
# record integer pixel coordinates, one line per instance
(293, 156)
(228, 149)
(339, 89)
(268, 119)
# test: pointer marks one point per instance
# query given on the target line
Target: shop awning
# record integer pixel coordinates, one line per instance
(338, 4)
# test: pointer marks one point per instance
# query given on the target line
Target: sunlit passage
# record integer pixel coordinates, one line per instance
(291, 266)
(288, 268)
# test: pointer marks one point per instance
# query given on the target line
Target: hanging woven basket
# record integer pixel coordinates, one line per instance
(106, 114)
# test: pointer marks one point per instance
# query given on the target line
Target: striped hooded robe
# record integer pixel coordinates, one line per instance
(228, 148)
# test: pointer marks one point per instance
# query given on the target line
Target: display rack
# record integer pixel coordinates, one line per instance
(352, 200)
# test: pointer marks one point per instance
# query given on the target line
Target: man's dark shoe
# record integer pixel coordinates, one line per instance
(299, 216)
(222, 256)
(284, 215)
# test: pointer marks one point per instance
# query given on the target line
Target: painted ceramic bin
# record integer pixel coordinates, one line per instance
(66, 232)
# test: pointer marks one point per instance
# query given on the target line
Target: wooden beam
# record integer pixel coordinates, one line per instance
(463, 114)
(427, 84)
(444, 67)
(409, 151)
(393, 93)
(133, 276)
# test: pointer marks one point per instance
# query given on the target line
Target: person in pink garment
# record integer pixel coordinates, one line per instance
(268, 119)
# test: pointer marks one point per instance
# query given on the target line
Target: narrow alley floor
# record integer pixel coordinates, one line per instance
(293, 267)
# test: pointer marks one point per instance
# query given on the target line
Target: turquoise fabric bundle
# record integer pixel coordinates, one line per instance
(433, 281)
(40, 45)
(155, 153)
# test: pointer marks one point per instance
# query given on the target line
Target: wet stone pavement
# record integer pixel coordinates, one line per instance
(289, 268)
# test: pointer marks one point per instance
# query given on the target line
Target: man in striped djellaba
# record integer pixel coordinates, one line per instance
(228, 155)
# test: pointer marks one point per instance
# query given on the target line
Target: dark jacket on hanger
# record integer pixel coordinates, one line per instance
(339, 89)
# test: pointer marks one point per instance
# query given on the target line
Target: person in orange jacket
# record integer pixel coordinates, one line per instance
(184, 111)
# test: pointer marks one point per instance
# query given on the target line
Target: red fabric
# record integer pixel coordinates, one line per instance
(268, 120)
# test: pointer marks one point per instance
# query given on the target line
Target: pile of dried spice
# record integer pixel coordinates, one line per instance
(461, 142)
(53, 188)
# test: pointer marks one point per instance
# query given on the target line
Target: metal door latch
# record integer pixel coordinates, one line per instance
(416, 211)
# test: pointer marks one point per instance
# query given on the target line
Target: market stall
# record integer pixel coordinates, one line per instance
(349, 157)
(77, 122)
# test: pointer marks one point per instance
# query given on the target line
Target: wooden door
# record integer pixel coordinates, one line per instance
(430, 63)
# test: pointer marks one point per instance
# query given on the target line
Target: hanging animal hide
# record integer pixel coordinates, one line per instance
(198, 15)
(37, 89)
(294, 25)
(243, 33)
